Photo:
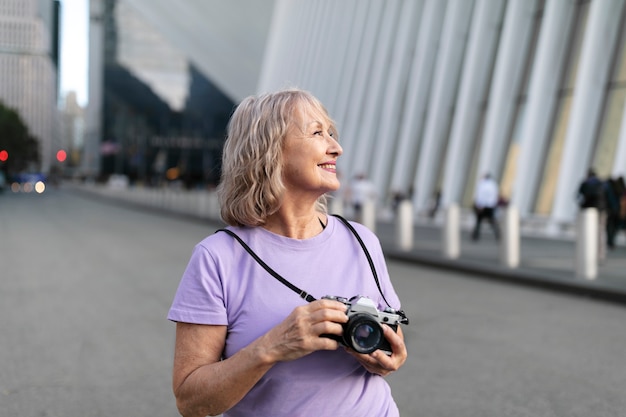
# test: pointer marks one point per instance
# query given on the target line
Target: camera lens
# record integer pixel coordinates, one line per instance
(363, 332)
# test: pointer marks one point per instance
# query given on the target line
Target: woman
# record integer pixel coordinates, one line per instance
(247, 345)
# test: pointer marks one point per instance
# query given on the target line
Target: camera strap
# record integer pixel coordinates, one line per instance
(308, 297)
(303, 294)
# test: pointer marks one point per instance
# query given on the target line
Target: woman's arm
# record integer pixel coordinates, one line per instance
(206, 385)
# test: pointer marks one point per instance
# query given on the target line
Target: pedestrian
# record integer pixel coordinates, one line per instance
(255, 335)
(486, 200)
(612, 211)
(620, 191)
(592, 195)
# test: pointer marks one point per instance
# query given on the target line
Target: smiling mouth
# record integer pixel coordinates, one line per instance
(327, 166)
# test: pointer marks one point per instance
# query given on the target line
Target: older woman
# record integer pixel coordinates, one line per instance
(246, 344)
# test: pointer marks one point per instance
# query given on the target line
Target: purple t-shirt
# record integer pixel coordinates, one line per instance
(224, 285)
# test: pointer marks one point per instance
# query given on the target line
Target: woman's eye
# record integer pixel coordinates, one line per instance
(318, 132)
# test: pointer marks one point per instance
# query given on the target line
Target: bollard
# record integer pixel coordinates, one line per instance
(509, 247)
(404, 225)
(369, 215)
(336, 205)
(587, 244)
(452, 232)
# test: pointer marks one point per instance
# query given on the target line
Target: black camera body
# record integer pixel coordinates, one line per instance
(363, 332)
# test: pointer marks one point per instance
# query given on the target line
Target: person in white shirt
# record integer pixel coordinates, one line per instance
(485, 204)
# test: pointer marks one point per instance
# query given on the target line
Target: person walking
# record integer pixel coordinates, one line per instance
(592, 194)
(486, 200)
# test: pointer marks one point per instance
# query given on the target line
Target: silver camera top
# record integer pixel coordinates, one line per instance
(361, 304)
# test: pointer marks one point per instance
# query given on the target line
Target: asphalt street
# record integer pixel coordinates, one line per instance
(85, 286)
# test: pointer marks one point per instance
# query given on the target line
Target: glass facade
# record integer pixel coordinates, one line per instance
(162, 121)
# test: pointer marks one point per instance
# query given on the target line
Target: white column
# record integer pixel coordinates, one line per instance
(417, 95)
(386, 132)
(377, 83)
(447, 72)
(542, 96)
(276, 45)
(337, 35)
(593, 73)
(507, 77)
(481, 47)
(309, 43)
(347, 67)
(361, 79)
(276, 72)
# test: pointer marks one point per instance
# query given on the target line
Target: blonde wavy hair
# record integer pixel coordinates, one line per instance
(251, 186)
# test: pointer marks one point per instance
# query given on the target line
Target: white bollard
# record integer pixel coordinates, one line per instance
(452, 232)
(335, 205)
(510, 246)
(404, 225)
(369, 215)
(587, 244)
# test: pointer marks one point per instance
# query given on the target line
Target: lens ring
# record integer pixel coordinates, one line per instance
(363, 333)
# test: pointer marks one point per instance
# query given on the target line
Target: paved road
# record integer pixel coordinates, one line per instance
(85, 287)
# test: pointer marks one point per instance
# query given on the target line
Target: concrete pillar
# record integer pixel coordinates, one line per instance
(508, 74)
(360, 86)
(443, 90)
(542, 95)
(394, 93)
(601, 34)
(587, 244)
(510, 243)
(452, 232)
(404, 225)
(417, 93)
(474, 82)
(364, 155)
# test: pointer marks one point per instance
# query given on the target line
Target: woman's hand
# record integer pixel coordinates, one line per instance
(299, 334)
(379, 362)
(205, 384)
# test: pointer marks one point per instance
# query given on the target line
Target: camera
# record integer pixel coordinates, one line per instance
(363, 331)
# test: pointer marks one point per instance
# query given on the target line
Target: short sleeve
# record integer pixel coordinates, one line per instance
(200, 296)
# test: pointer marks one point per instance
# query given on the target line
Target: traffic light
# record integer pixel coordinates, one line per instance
(61, 155)
(4, 155)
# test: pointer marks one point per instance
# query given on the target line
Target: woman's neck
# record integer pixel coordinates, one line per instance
(294, 226)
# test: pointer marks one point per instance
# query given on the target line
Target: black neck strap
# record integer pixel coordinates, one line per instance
(308, 297)
(303, 294)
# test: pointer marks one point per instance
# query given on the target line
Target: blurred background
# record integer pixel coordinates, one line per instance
(429, 95)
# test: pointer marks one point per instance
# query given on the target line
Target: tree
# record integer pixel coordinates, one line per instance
(22, 147)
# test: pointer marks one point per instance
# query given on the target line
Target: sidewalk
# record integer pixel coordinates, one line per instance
(544, 262)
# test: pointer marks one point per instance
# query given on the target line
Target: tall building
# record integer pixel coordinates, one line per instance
(154, 111)
(430, 95)
(29, 52)
(72, 132)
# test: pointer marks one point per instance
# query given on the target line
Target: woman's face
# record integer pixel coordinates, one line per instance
(310, 154)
